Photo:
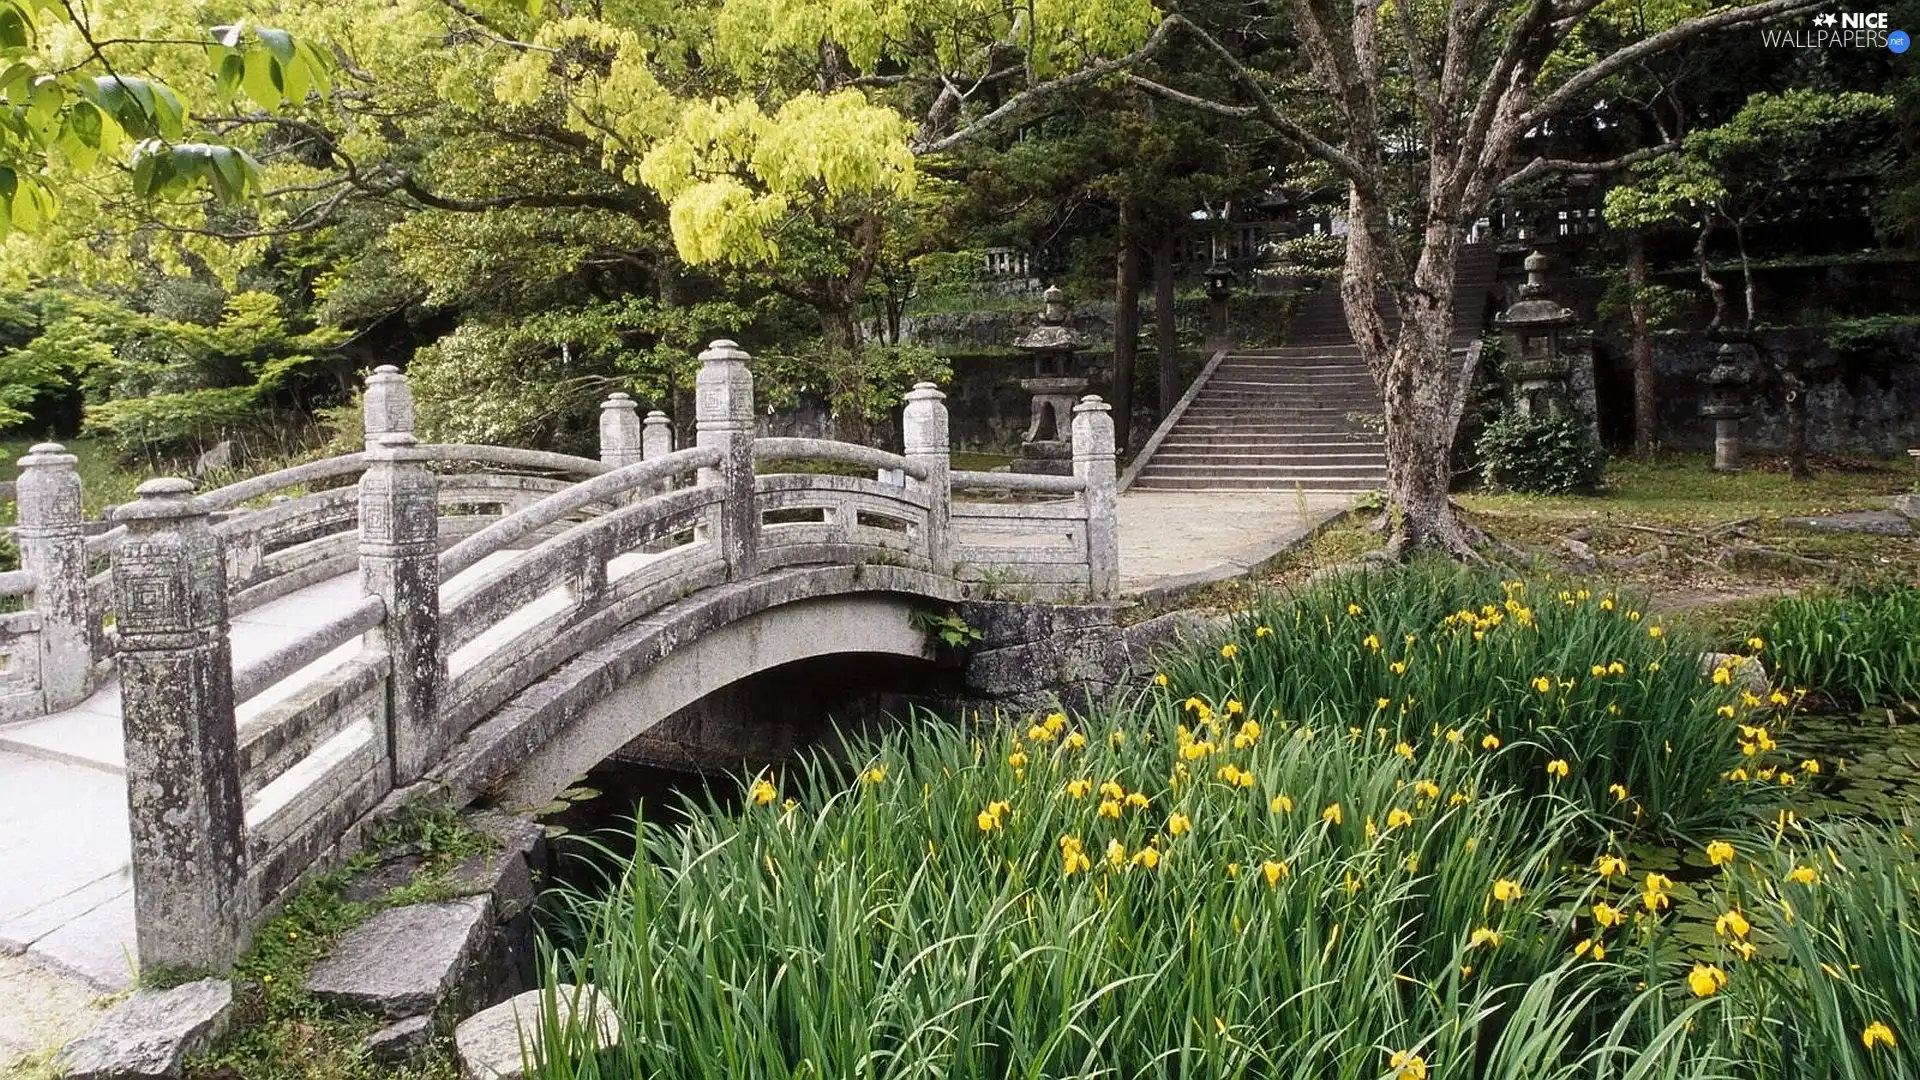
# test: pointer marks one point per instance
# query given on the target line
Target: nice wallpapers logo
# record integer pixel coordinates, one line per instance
(1846, 30)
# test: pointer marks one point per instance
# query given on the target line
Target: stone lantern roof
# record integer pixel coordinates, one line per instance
(1534, 308)
(1053, 335)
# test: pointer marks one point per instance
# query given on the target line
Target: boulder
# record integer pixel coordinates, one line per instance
(1907, 506)
(402, 1042)
(496, 1044)
(1747, 671)
(151, 1034)
(406, 960)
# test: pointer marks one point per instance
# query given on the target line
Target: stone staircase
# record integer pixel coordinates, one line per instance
(1303, 416)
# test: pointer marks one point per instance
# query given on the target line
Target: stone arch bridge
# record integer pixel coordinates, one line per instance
(258, 673)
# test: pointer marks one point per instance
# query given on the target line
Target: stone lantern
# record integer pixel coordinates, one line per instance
(1219, 282)
(1047, 446)
(1727, 403)
(1538, 334)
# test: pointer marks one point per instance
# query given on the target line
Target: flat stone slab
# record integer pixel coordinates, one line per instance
(1871, 522)
(404, 961)
(152, 1033)
(401, 1042)
(494, 1044)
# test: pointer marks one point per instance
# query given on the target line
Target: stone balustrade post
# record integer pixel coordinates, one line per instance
(53, 548)
(620, 439)
(184, 808)
(1093, 464)
(387, 405)
(924, 429)
(723, 418)
(656, 436)
(400, 563)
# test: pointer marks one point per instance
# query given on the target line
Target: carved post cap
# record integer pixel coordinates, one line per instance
(723, 389)
(724, 349)
(1092, 429)
(47, 455)
(923, 422)
(49, 491)
(619, 400)
(388, 403)
(168, 498)
(656, 418)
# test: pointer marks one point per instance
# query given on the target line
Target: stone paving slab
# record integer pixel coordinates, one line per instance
(41, 1010)
(1171, 541)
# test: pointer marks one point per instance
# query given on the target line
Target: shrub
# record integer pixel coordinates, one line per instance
(1550, 671)
(1861, 644)
(1550, 455)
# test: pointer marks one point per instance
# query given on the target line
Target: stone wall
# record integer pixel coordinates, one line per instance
(1863, 401)
(1864, 398)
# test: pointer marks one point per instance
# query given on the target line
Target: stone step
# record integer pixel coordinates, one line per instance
(1285, 395)
(1253, 429)
(1272, 379)
(1147, 482)
(1305, 464)
(1278, 442)
(1282, 412)
(1258, 467)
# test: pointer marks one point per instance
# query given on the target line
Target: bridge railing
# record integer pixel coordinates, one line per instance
(476, 586)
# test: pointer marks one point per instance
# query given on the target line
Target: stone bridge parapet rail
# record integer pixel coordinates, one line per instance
(483, 570)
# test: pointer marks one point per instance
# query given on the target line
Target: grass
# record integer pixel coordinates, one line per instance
(1250, 870)
(1860, 646)
(280, 1031)
(1681, 489)
(1545, 672)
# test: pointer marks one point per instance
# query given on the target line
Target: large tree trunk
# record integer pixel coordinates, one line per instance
(1166, 334)
(1126, 325)
(1420, 384)
(1646, 435)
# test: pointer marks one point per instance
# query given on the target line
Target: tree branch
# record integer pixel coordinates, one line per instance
(1350, 167)
(1541, 166)
(1595, 73)
(1028, 98)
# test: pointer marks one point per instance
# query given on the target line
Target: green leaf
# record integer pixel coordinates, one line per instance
(80, 134)
(151, 173)
(260, 81)
(32, 205)
(16, 27)
(318, 65)
(43, 109)
(278, 42)
(226, 80)
(293, 77)
(168, 111)
(17, 83)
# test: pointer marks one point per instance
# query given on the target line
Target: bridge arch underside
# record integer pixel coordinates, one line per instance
(541, 741)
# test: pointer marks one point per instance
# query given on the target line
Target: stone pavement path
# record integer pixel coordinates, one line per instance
(41, 1010)
(1171, 540)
